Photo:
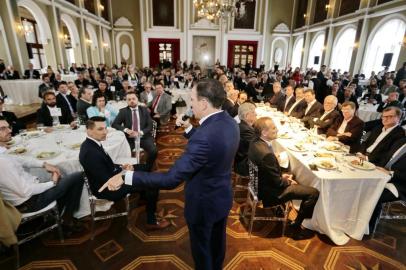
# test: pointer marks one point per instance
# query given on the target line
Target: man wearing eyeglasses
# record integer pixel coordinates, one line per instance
(383, 137)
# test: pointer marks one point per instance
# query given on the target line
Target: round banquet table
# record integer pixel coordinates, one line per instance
(21, 92)
(67, 159)
(69, 77)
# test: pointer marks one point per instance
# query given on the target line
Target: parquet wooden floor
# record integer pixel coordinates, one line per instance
(121, 246)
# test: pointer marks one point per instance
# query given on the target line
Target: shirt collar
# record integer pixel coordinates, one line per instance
(96, 141)
(329, 112)
(311, 103)
(2, 149)
(388, 129)
(207, 116)
(269, 143)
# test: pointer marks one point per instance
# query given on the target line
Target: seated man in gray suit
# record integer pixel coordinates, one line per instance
(161, 105)
(148, 95)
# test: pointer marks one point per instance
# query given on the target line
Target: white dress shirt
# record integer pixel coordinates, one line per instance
(309, 106)
(150, 97)
(294, 105)
(325, 114)
(139, 119)
(380, 138)
(16, 184)
(343, 126)
(287, 101)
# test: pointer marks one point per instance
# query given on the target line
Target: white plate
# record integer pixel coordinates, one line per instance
(34, 134)
(73, 146)
(326, 164)
(18, 151)
(284, 136)
(294, 148)
(334, 148)
(367, 166)
(14, 141)
(320, 154)
(46, 154)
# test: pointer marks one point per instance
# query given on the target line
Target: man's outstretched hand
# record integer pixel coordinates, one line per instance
(114, 183)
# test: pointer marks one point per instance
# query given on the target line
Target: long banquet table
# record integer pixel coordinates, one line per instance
(347, 195)
(21, 92)
(67, 152)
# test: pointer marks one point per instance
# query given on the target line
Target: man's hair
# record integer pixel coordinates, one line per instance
(45, 75)
(2, 118)
(300, 89)
(244, 108)
(212, 90)
(260, 125)
(82, 91)
(48, 93)
(104, 82)
(397, 110)
(92, 121)
(349, 104)
(333, 98)
(130, 93)
(61, 83)
(159, 83)
(309, 90)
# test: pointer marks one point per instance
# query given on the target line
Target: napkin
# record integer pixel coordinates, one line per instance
(283, 160)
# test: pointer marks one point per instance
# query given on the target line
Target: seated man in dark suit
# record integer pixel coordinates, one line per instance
(298, 108)
(230, 105)
(81, 81)
(395, 189)
(31, 73)
(313, 108)
(84, 102)
(279, 97)
(12, 74)
(135, 121)
(329, 116)
(65, 100)
(288, 100)
(45, 86)
(348, 95)
(391, 101)
(11, 118)
(50, 114)
(373, 95)
(273, 186)
(348, 128)
(161, 105)
(383, 137)
(248, 116)
(99, 167)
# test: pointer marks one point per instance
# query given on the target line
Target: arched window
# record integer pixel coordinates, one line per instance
(297, 53)
(387, 39)
(342, 50)
(316, 51)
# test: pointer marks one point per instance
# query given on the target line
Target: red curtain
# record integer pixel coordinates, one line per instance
(154, 50)
(230, 54)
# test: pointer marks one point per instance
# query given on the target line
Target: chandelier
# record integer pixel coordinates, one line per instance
(212, 9)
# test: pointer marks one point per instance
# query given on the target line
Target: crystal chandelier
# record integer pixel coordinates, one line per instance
(212, 9)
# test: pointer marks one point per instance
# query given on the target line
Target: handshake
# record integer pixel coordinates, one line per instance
(115, 182)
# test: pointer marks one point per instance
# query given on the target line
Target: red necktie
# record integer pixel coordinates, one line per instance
(156, 102)
(135, 121)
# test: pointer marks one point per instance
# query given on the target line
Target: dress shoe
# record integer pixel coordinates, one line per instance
(158, 225)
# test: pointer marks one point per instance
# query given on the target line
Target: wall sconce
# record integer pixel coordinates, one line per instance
(305, 16)
(105, 45)
(20, 28)
(101, 7)
(328, 7)
(89, 41)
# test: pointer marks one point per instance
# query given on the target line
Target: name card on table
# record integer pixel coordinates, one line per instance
(55, 111)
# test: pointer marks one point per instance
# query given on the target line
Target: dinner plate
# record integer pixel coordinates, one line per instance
(334, 147)
(285, 136)
(355, 163)
(18, 151)
(14, 141)
(45, 155)
(34, 134)
(297, 148)
(62, 127)
(320, 154)
(326, 164)
(73, 146)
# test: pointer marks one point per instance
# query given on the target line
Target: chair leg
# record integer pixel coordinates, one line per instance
(92, 211)
(127, 208)
(253, 210)
(17, 255)
(58, 221)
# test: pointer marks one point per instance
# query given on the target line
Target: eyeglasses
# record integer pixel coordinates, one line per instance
(4, 128)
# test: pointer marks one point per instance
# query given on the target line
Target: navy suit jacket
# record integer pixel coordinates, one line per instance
(205, 166)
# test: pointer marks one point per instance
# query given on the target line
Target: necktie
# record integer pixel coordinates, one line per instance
(135, 121)
(156, 102)
(396, 157)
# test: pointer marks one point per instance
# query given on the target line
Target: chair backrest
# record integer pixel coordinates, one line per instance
(253, 175)
(154, 127)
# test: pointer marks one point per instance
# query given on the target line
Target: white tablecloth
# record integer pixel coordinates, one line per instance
(21, 92)
(367, 112)
(347, 196)
(69, 77)
(67, 160)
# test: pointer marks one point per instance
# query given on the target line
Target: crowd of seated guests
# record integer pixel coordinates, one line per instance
(326, 100)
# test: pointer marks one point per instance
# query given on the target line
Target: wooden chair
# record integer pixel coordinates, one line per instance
(386, 213)
(249, 214)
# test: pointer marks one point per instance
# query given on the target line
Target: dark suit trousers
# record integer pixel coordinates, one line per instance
(67, 192)
(208, 244)
(308, 195)
(146, 143)
(386, 196)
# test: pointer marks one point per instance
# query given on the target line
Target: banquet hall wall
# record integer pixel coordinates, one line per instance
(129, 24)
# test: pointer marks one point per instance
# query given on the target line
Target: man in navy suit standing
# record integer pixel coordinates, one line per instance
(205, 166)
